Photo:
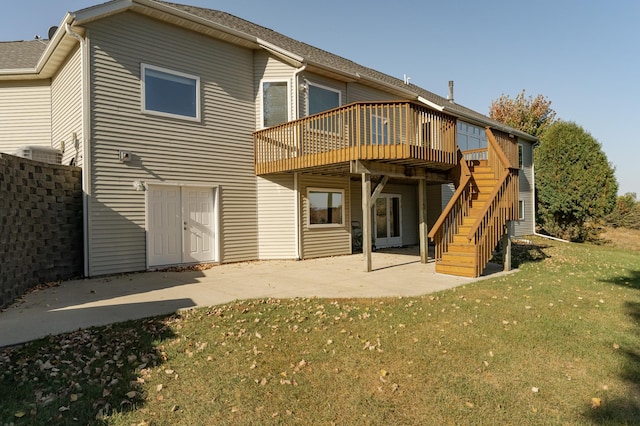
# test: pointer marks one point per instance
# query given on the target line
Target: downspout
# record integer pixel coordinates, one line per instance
(296, 189)
(86, 162)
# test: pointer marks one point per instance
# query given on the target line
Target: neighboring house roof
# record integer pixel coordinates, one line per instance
(21, 54)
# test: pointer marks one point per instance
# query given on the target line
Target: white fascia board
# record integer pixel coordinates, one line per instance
(430, 104)
(284, 54)
(48, 51)
(100, 10)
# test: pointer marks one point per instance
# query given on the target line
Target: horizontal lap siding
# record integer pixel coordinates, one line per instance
(25, 114)
(66, 109)
(266, 67)
(360, 93)
(276, 217)
(218, 151)
(332, 241)
(526, 226)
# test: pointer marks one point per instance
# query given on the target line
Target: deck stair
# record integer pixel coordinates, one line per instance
(460, 259)
(477, 216)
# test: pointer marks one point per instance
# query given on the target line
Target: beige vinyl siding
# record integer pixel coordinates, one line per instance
(276, 217)
(25, 114)
(268, 68)
(434, 204)
(330, 241)
(526, 226)
(357, 92)
(66, 108)
(217, 151)
(447, 191)
(408, 205)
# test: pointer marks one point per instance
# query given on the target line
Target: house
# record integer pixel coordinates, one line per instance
(207, 138)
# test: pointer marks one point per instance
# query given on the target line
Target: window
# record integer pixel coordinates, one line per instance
(470, 137)
(379, 130)
(520, 148)
(322, 99)
(170, 93)
(326, 207)
(275, 103)
(521, 210)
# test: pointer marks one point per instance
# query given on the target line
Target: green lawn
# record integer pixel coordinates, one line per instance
(556, 343)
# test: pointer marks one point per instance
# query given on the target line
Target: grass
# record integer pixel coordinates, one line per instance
(556, 343)
(622, 237)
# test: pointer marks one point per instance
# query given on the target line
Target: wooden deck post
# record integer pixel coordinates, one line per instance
(506, 248)
(366, 220)
(422, 212)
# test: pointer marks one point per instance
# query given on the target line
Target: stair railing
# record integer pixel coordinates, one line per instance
(451, 218)
(499, 208)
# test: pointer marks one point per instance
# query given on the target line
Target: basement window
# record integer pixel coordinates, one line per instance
(170, 93)
(325, 207)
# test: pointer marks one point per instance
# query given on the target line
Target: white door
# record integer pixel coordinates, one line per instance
(197, 205)
(164, 241)
(388, 224)
(180, 225)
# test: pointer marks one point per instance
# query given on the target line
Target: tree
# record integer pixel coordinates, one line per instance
(626, 213)
(575, 181)
(531, 115)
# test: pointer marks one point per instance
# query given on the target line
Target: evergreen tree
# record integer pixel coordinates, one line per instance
(575, 182)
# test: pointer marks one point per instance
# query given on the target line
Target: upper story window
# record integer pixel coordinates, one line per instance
(322, 98)
(275, 103)
(170, 93)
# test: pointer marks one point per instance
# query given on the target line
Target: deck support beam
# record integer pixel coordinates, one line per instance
(506, 248)
(378, 190)
(366, 221)
(422, 213)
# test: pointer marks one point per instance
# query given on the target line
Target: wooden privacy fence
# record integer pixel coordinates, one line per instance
(400, 131)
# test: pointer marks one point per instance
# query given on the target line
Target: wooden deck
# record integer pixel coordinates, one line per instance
(402, 133)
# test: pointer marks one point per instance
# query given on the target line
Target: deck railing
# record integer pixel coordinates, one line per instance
(401, 131)
(502, 205)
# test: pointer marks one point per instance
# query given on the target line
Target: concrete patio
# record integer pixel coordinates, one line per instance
(100, 301)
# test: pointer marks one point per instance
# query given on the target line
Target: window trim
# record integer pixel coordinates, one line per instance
(520, 156)
(325, 225)
(143, 68)
(521, 210)
(321, 86)
(274, 80)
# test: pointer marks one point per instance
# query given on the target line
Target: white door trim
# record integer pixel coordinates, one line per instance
(388, 241)
(214, 226)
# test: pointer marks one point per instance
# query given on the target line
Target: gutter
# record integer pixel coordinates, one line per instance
(86, 152)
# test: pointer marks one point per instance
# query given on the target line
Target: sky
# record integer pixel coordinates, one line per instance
(583, 55)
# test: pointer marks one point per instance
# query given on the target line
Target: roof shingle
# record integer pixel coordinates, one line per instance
(21, 54)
